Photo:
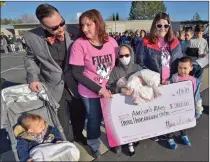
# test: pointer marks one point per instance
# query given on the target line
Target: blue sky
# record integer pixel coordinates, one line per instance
(177, 10)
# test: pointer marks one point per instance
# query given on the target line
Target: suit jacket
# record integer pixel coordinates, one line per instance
(41, 67)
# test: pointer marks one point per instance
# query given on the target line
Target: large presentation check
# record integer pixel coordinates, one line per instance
(125, 122)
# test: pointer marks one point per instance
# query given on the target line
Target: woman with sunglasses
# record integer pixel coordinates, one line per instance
(160, 53)
(92, 58)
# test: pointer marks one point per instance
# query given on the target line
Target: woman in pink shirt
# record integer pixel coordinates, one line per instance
(92, 58)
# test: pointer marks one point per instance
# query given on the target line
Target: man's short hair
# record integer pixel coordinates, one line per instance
(199, 28)
(181, 32)
(188, 29)
(186, 59)
(45, 10)
(28, 119)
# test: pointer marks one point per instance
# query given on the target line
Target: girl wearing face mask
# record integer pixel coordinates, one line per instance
(160, 52)
(124, 68)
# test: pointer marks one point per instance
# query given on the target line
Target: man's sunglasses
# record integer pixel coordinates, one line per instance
(54, 28)
(126, 55)
(165, 26)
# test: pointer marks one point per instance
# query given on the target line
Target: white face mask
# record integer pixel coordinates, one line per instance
(125, 60)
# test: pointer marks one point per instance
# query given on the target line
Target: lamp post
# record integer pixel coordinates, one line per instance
(115, 25)
(116, 17)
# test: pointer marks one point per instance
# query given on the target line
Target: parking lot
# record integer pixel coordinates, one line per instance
(12, 69)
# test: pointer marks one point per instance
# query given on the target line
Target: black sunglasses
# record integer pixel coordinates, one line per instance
(54, 28)
(160, 26)
(126, 55)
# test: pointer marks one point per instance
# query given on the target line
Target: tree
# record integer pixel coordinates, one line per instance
(113, 17)
(6, 21)
(117, 16)
(196, 17)
(2, 3)
(23, 19)
(110, 18)
(26, 18)
(145, 10)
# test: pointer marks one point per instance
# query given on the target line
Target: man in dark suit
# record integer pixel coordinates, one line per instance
(47, 60)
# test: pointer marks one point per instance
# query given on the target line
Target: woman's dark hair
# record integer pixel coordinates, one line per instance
(45, 10)
(169, 37)
(145, 33)
(96, 17)
(199, 28)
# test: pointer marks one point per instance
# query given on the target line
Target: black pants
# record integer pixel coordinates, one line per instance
(77, 115)
(71, 115)
(182, 133)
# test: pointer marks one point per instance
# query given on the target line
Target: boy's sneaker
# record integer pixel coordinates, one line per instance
(156, 139)
(131, 150)
(118, 150)
(185, 140)
(96, 154)
(172, 144)
(136, 144)
(197, 115)
(131, 154)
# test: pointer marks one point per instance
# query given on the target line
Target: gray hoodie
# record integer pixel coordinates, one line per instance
(121, 70)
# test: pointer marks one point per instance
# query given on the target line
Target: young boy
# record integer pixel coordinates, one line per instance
(184, 69)
(124, 69)
(32, 131)
(181, 36)
(188, 35)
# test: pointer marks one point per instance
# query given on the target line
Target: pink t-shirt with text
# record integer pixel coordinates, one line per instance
(98, 64)
(181, 78)
(165, 59)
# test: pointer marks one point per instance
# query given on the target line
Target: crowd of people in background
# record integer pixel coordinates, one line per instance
(12, 43)
(132, 38)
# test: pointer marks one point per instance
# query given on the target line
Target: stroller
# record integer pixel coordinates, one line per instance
(19, 100)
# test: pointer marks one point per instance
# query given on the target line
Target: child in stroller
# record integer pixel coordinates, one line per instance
(32, 131)
(16, 102)
(185, 67)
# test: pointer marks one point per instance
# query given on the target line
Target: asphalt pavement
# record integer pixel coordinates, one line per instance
(12, 69)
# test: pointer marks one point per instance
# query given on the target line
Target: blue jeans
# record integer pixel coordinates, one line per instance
(94, 117)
